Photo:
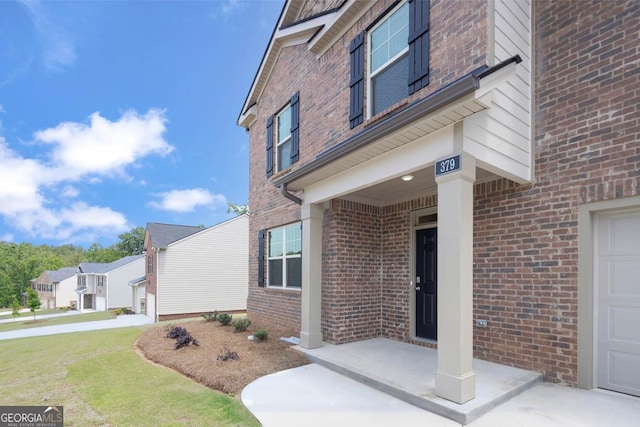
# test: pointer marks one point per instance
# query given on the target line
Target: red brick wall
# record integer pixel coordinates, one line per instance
(458, 46)
(587, 148)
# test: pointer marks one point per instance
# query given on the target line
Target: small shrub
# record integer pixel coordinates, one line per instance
(182, 336)
(227, 355)
(241, 325)
(261, 335)
(117, 311)
(224, 318)
(210, 317)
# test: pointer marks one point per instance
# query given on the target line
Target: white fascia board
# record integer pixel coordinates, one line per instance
(490, 82)
(410, 157)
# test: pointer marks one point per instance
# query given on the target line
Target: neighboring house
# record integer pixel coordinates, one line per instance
(105, 286)
(193, 270)
(454, 174)
(56, 288)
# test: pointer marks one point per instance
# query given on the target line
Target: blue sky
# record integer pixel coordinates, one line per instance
(115, 114)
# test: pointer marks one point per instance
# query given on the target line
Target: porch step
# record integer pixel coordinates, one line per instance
(407, 372)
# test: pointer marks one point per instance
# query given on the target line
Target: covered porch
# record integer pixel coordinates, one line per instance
(442, 142)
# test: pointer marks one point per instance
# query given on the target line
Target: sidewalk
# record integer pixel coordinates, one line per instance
(26, 314)
(119, 322)
(313, 396)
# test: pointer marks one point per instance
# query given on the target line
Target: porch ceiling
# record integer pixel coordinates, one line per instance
(396, 190)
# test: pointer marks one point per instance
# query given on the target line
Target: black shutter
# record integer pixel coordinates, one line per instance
(261, 258)
(418, 44)
(356, 83)
(269, 146)
(295, 122)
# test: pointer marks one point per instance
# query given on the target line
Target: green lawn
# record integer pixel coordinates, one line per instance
(27, 314)
(99, 379)
(28, 321)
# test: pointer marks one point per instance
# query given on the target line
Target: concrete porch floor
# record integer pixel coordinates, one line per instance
(407, 372)
(313, 395)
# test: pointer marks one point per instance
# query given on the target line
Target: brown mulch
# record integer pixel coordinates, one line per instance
(255, 358)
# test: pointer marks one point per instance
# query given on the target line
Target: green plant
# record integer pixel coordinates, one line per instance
(261, 335)
(224, 318)
(210, 317)
(117, 311)
(241, 325)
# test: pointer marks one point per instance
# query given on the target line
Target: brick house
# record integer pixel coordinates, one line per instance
(56, 288)
(459, 175)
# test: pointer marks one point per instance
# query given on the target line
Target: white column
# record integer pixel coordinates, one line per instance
(311, 335)
(455, 379)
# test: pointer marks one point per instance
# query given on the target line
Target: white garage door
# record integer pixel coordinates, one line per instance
(151, 306)
(617, 258)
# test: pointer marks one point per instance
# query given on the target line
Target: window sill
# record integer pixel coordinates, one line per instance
(279, 289)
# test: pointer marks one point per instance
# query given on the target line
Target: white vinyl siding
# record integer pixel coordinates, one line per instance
(206, 271)
(117, 283)
(66, 291)
(500, 137)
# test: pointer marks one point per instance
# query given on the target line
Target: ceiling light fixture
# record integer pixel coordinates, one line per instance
(406, 178)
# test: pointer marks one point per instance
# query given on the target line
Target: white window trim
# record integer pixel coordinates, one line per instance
(369, 74)
(278, 141)
(283, 257)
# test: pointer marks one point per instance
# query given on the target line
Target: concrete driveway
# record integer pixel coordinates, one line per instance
(119, 322)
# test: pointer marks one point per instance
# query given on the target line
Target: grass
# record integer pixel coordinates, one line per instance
(28, 313)
(99, 379)
(28, 321)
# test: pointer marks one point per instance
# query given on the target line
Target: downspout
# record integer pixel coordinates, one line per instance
(288, 195)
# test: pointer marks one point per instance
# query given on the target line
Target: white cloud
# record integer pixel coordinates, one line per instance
(70, 192)
(79, 153)
(103, 147)
(227, 8)
(188, 200)
(1, 109)
(58, 44)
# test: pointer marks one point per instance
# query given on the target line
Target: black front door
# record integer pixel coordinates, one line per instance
(426, 286)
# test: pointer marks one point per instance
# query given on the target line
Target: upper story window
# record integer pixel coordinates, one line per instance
(283, 139)
(149, 264)
(285, 256)
(284, 129)
(100, 280)
(397, 52)
(389, 60)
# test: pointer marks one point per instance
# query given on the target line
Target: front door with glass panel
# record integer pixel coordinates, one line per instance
(426, 289)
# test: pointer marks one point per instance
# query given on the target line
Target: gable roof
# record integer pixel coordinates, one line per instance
(59, 275)
(105, 267)
(319, 25)
(162, 235)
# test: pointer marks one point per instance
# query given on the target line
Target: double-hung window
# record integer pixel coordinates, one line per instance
(389, 60)
(285, 256)
(283, 138)
(397, 51)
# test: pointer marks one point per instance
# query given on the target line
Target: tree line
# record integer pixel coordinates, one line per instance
(21, 262)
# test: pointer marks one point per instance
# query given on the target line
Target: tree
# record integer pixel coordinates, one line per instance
(98, 253)
(33, 301)
(16, 308)
(237, 209)
(132, 242)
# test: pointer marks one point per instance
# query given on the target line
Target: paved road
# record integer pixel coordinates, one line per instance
(119, 322)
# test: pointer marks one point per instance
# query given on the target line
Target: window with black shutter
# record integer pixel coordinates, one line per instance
(261, 281)
(418, 44)
(269, 146)
(356, 82)
(283, 137)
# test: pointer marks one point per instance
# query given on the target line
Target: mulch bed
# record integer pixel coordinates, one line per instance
(201, 363)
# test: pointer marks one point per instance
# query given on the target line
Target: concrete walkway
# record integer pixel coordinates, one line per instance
(26, 315)
(381, 382)
(119, 322)
(313, 396)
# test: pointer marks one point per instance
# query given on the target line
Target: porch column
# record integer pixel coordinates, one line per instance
(455, 379)
(311, 335)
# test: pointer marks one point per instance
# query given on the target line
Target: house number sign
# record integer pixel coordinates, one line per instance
(447, 165)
